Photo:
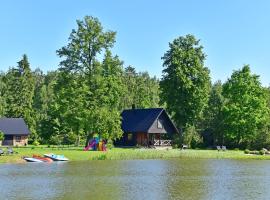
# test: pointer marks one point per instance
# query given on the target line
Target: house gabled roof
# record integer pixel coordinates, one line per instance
(13, 126)
(140, 120)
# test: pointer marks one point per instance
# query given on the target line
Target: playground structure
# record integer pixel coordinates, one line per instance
(96, 144)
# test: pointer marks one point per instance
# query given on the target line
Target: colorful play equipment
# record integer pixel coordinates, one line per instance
(96, 144)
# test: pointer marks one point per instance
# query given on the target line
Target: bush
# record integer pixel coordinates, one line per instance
(35, 143)
(56, 140)
(70, 138)
(247, 151)
(176, 141)
(262, 152)
(109, 144)
(254, 152)
(191, 137)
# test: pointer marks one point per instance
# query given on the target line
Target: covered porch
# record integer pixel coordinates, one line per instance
(153, 139)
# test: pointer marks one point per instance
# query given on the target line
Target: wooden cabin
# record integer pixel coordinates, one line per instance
(146, 127)
(15, 131)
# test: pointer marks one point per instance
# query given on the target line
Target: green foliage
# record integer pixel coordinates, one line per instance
(267, 92)
(185, 82)
(3, 105)
(246, 112)
(2, 137)
(177, 141)
(247, 151)
(88, 91)
(143, 91)
(36, 143)
(70, 138)
(191, 137)
(19, 94)
(84, 96)
(106, 122)
(56, 139)
(91, 88)
(255, 152)
(43, 100)
(85, 44)
(100, 157)
(109, 144)
(261, 152)
(213, 116)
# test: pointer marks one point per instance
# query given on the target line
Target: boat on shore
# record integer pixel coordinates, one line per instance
(44, 159)
(30, 159)
(55, 157)
(37, 158)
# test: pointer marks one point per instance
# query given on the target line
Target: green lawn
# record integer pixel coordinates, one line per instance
(77, 154)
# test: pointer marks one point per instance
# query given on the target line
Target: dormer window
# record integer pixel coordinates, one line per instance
(159, 124)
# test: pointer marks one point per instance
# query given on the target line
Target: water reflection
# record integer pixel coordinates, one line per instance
(240, 180)
(137, 179)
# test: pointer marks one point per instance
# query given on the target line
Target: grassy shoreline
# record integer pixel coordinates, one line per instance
(77, 154)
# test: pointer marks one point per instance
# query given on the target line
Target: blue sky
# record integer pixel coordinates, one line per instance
(233, 32)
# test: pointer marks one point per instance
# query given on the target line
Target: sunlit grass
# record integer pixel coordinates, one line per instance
(77, 154)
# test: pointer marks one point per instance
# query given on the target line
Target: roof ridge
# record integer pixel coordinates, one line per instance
(156, 117)
(140, 119)
(143, 109)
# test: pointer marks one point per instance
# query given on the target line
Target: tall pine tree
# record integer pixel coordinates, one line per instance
(19, 94)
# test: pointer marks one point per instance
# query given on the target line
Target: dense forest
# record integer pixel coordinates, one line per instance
(91, 87)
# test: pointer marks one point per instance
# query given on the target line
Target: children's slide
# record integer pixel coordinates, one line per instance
(90, 145)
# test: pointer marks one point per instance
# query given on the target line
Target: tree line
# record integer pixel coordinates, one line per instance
(235, 113)
(85, 95)
(92, 86)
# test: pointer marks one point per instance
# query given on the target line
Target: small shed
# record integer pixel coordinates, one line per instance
(146, 127)
(15, 131)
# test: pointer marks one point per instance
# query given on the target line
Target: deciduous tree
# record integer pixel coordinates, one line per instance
(246, 112)
(185, 81)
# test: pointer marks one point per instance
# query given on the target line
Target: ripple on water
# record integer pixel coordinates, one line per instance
(137, 179)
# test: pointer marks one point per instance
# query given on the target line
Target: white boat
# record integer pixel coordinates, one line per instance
(29, 159)
(56, 157)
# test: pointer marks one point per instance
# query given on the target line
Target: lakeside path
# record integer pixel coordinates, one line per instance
(77, 154)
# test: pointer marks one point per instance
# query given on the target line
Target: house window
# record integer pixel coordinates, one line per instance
(130, 136)
(159, 124)
(18, 138)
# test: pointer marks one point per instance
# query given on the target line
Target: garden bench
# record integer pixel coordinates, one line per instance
(184, 146)
(10, 151)
(1, 152)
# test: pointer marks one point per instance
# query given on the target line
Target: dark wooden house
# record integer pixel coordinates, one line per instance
(15, 131)
(146, 127)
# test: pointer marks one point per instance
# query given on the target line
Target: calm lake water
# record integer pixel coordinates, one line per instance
(137, 179)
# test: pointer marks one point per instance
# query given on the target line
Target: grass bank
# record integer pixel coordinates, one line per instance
(77, 154)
